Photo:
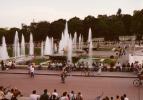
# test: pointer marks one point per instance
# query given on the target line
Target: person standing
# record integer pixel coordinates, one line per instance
(72, 95)
(125, 97)
(34, 96)
(117, 98)
(79, 96)
(54, 95)
(64, 96)
(100, 68)
(32, 70)
(2, 65)
(44, 96)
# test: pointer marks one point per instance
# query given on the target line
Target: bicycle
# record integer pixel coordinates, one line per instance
(138, 82)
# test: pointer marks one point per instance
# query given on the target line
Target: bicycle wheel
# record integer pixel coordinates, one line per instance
(136, 82)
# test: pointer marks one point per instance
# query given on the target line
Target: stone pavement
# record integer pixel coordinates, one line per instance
(74, 73)
(111, 83)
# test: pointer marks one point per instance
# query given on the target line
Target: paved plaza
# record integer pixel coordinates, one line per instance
(110, 83)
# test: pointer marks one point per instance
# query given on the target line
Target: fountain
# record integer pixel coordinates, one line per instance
(79, 46)
(90, 48)
(65, 44)
(3, 50)
(48, 46)
(31, 46)
(52, 46)
(81, 43)
(16, 47)
(55, 48)
(69, 55)
(46, 50)
(23, 46)
(61, 45)
(75, 41)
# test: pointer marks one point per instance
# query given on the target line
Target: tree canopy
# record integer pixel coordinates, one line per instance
(109, 27)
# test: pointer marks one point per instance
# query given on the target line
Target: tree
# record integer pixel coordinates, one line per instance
(56, 28)
(75, 24)
(89, 22)
(3, 31)
(10, 35)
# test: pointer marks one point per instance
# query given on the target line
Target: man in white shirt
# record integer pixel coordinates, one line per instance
(118, 66)
(34, 96)
(125, 97)
(55, 93)
(32, 71)
(64, 97)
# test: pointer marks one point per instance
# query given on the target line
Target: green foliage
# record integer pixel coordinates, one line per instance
(10, 51)
(37, 51)
(38, 61)
(109, 27)
(109, 61)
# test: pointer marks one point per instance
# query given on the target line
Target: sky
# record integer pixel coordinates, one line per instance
(15, 12)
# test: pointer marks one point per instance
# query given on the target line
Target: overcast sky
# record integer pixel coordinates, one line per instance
(15, 12)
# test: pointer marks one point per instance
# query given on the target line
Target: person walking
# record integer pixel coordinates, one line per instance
(63, 76)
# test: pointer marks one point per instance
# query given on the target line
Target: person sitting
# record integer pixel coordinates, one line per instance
(118, 66)
(141, 71)
(13, 65)
(140, 74)
(40, 67)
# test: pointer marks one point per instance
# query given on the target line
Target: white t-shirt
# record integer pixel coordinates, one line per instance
(32, 69)
(9, 95)
(126, 98)
(34, 97)
(56, 94)
(64, 98)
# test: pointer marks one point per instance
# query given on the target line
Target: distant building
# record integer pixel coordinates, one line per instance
(127, 38)
(98, 39)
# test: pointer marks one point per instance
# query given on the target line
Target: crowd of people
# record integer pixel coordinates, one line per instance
(8, 93)
(6, 65)
(123, 97)
(95, 66)
(55, 95)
